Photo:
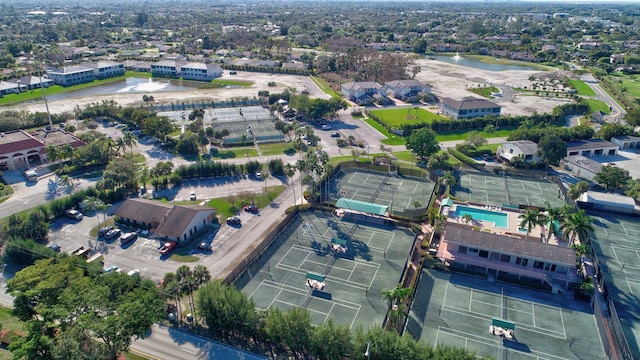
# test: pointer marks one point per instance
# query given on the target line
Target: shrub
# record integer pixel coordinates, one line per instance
(463, 158)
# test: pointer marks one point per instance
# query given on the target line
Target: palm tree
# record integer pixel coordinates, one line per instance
(201, 275)
(128, 139)
(290, 172)
(577, 224)
(467, 218)
(265, 176)
(529, 220)
(554, 216)
(67, 182)
(53, 153)
(448, 179)
(90, 203)
(396, 299)
(184, 277)
(119, 145)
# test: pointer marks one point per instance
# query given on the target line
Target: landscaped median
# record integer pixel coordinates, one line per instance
(464, 158)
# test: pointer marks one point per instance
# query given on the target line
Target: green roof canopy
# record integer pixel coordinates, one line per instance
(503, 324)
(314, 276)
(338, 241)
(447, 202)
(361, 206)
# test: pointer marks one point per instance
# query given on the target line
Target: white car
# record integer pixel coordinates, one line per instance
(258, 175)
(192, 196)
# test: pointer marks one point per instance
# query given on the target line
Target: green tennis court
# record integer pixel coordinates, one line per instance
(615, 242)
(507, 190)
(353, 281)
(457, 310)
(403, 195)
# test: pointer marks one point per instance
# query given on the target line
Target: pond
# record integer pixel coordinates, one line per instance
(132, 85)
(461, 60)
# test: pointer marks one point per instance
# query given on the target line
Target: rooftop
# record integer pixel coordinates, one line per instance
(584, 162)
(589, 144)
(469, 103)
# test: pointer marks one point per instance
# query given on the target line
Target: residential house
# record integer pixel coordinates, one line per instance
(508, 257)
(32, 82)
(165, 68)
(362, 93)
(616, 59)
(108, 69)
(200, 71)
(8, 87)
(406, 90)
(527, 149)
(72, 75)
(139, 66)
(468, 107)
(168, 222)
(591, 147)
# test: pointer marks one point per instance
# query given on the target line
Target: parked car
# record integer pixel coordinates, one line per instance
(112, 268)
(192, 196)
(55, 247)
(258, 175)
(104, 230)
(335, 134)
(204, 246)
(167, 247)
(128, 237)
(73, 214)
(234, 220)
(144, 232)
(251, 209)
(113, 234)
(133, 272)
(326, 127)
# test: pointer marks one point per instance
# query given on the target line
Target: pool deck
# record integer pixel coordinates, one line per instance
(513, 224)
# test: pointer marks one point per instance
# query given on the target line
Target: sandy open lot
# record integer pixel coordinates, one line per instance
(448, 80)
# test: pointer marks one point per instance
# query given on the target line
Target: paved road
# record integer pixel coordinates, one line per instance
(170, 343)
(617, 111)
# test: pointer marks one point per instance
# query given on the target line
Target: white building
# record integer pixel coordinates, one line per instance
(362, 93)
(108, 69)
(591, 147)
(165, 68)
(406, 90)
(72, 75)
(200, 71)
(582, 166)
(608, 202)
(525, 148)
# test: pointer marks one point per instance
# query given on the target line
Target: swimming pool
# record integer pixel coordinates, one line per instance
(498, 218)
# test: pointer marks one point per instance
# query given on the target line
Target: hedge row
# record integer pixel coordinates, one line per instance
(464, 158)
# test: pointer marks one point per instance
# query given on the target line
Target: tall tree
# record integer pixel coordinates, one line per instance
(529, 219)
(577, 225)
(552, 149)
(612, 177)
(423, 142)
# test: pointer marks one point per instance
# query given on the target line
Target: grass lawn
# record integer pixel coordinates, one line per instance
(632, 84)
(325, 87)
(582, 88)
(55, 89)
(597, 105)
(231, 153)
(9, 322)
(277, 149)
(484, 91)
(493, 60)
(392, 139)
(397, 118)
(5, 192)
(132, 356)
(463, 135)
(229, 82)
(226, 209)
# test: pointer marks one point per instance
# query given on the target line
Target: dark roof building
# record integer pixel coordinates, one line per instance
(468, 107)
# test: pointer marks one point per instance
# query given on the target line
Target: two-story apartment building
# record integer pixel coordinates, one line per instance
(72, 75)
(509, 257)
(468, 107)
(200, 71)
(527, 149)
(362, 93)
(108, 69)
(165, 68)
(406, 90)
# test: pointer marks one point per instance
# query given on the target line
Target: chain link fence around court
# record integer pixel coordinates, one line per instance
(508, 190)
(253, 124)
(405, 196)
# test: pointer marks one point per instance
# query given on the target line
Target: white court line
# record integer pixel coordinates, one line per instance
(297, 291)
(629, 285)
(533, 312)
(470, 299)
(615, 254)
(485, 317)
(496, 344)
(624, 228)
(501, 306)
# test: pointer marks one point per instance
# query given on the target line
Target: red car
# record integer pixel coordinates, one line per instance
(251, 209)
(167, 247)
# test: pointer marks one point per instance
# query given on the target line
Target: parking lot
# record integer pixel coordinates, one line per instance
(142, 254)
